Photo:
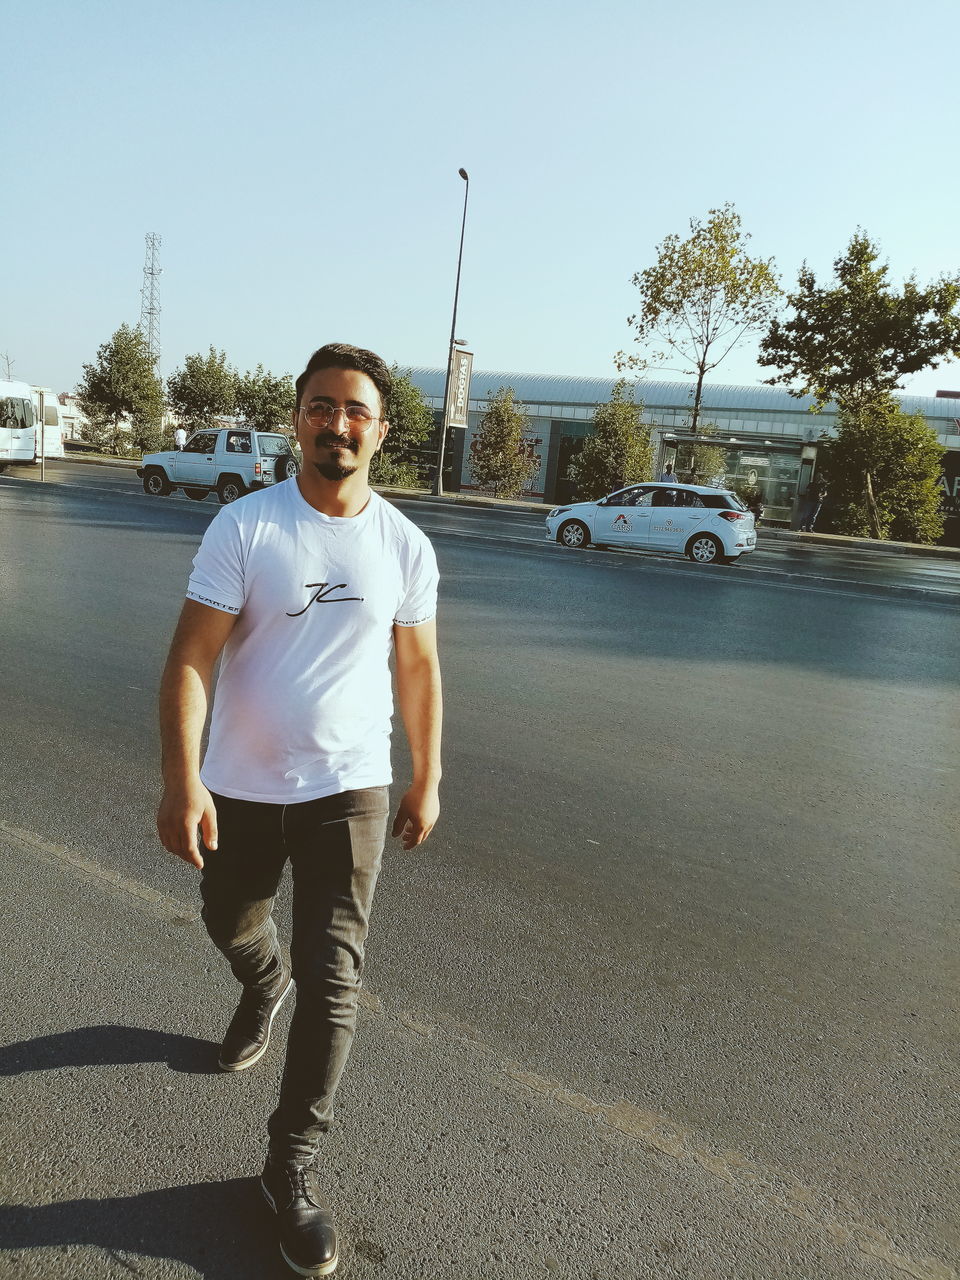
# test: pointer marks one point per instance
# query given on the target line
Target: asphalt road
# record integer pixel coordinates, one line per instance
(672, 990)
(844, 568)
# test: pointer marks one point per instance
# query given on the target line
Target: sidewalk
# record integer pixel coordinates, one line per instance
(132, 1155)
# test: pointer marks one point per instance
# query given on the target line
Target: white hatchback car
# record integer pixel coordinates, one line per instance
(708, 525)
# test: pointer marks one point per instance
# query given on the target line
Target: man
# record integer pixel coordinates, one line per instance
(179, 438)
(667, 477)
(813, 498)
(305, 586)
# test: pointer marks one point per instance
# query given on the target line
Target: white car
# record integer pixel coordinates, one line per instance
(708, 525)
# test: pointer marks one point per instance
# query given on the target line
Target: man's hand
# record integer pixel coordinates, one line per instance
(182, 810)
(417, 816)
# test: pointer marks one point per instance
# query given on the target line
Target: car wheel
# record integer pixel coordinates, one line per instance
(156, 483)
(197, 495)
(705, 549)
(286, 468)
(573, 534)
(229, 490)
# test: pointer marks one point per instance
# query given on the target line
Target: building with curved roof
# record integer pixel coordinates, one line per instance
(769, 436)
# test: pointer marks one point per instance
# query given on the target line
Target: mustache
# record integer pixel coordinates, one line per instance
(344, 442)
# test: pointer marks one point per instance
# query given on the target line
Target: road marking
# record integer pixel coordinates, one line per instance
(748, 575)
(656, 1133)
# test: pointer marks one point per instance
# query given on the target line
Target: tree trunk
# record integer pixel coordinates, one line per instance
(872, 505)
(697, 397)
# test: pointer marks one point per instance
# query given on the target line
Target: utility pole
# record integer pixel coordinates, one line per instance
(8, 366)
(438, 478)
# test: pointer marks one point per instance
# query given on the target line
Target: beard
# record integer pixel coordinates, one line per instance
(335, 470)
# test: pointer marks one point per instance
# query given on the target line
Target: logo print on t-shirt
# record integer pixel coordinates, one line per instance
(323, 596)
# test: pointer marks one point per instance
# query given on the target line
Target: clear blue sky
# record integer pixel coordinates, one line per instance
(300, 161)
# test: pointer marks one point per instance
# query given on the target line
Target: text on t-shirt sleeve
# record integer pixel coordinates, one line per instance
(217, 577)
(422, 578)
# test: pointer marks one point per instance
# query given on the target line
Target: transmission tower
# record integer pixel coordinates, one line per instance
(150, 297)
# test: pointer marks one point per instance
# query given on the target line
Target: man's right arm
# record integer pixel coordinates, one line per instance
(184, 694)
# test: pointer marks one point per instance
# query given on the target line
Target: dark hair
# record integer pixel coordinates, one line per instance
(340, 355)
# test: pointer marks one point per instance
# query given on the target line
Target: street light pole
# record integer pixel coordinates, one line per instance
(438, 478)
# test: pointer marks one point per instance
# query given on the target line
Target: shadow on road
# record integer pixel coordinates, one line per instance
(109, 1045)
(222, 1230)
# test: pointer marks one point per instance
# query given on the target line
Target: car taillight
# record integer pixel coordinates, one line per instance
(256, 469)
(732, 515)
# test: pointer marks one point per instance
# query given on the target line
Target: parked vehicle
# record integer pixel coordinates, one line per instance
(230, 462)
(708, 525)
(50, 439)
(17, 424)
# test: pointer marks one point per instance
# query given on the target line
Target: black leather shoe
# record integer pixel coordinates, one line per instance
(249, 1031)
(308, 1238)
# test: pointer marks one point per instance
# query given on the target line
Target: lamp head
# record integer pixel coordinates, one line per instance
(463, 174)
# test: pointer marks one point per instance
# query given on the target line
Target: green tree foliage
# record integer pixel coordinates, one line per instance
(411, 422)
(858, 338)
(699, 461)
(702, 296)
(265, 401)
(121, 396)
(854, 342)
(883, 470)
(618, 452)
(204, 389)
(499, 462)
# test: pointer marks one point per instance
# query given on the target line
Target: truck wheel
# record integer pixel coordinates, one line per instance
(156, 483)
(286, 468)
(197, 495)
(229, 490)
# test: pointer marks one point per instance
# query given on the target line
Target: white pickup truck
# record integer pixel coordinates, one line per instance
(230, 462)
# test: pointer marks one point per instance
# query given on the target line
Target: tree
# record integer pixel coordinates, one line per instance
(120, 394)
(858, 339)
(618, 452)
(700, 299)
(265, 401)
(699, 461)
(853, 343)
(205, 388)
(410, 424)
(498, 460)
(883, 469)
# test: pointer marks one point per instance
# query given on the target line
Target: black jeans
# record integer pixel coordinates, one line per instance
(334, 846)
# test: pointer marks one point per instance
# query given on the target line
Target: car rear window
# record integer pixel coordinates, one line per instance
(273, 446)
(722, 501)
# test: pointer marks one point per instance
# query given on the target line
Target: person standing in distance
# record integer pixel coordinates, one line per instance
(668, 475)
(179, 438)
(305, 587)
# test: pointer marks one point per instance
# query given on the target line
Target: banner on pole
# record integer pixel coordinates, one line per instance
(461, 368)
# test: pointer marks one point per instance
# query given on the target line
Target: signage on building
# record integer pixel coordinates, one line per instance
(461, 367)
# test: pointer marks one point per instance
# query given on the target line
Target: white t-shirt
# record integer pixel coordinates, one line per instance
(304, 697)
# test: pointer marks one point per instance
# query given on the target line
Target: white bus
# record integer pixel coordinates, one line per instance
(52, 434)
(18, 429)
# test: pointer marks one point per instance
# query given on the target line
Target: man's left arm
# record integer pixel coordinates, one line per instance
(421, 706)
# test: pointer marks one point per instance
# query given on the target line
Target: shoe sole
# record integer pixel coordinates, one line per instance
(255, 1057)
(324, 1269)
